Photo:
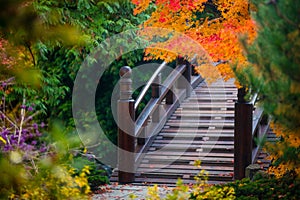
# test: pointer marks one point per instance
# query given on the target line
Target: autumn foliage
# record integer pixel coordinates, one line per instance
(219, 33)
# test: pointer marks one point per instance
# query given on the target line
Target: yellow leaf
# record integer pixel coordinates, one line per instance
(2, 140)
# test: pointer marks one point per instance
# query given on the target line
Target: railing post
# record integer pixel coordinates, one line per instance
(170, 97)
(141, 140)
(243, 120)
(155, 86)
(126, 127)
(184, 82)
(188, 76)
(156, 90)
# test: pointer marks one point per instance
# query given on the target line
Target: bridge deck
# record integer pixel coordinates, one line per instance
(201, 128)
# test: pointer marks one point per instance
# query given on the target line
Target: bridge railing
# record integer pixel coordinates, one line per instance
(135, 134)
(250, 123)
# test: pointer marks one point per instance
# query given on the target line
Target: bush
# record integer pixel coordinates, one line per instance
(32, 165)
(269, 187)
(263, 186)
(49, 180)
(99, 172)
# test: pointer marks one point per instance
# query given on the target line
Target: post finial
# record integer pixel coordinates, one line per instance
(125, 83)
(125, 70)
(241, 95)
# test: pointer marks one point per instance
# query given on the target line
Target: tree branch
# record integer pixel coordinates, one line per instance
(27, 44)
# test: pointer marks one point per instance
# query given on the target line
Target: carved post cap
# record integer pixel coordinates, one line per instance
(125, 70)
(181, 60)
(241, 95)
(125, 83)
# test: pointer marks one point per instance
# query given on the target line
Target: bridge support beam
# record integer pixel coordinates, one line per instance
(126, 128)
(243, 120)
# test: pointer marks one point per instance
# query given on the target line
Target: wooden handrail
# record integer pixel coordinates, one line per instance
(254, 98)
(151, 80)
(249, 124)
(150, 107)
(151, 119)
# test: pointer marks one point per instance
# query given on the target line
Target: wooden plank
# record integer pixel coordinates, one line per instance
(224, 84)
(149, 176)
(221, 95)
(195, 142)
(185, 146)
(178, 111)
(216, 88)
(209, 96)
(205, 163)
(165, 181)
(153, 177)
(202, 106)
(188, 158)
(186, 132)
(193, 132)
(168, 129)
(213, 93)
(182, 172)
(234, 89)
(212, 103)
(199, 124)
(206, 108)
(186, 167)
(209, 121)
(210, 100)
(203, 116)
(200, 154)
(225, 137)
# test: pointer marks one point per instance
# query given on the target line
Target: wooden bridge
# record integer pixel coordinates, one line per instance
(186, 120)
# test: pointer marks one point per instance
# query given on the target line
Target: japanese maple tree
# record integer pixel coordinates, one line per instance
(216, 25)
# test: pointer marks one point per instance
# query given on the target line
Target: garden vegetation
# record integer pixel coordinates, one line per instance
(43, 44)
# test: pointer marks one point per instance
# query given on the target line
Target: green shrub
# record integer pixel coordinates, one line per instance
(263, 186)
(287, 187)
(98, 174)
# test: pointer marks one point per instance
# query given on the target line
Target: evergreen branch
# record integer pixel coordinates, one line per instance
(70, 7)
(279, 13)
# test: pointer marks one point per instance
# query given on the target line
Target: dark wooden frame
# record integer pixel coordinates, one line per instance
(250, 123)
(137, 136)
